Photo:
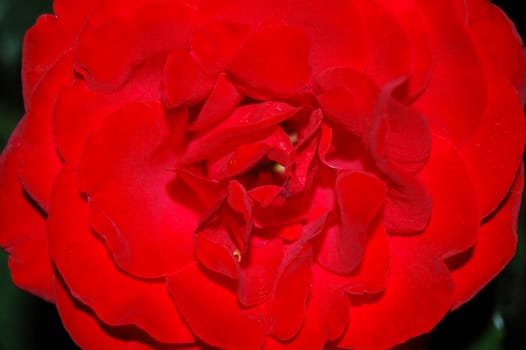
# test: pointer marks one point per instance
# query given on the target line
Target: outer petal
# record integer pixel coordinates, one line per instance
(496, 35)
(89, 333)
(70, 133)
(156, 29)
(213, 313)
(39, 161)
(495, 247)
(116, 298)
(416, 298)
(455, 98)
(454, 223)
(494, 153)
(139, 207)
(23, 228)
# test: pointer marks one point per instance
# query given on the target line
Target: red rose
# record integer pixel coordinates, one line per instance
(264, 174)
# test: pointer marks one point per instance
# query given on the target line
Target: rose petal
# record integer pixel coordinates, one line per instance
(23, 228)
(241, 126)
(412, 23)
(133, 180)
(408, 138)
(415, 299)
(217, 43)
(275, 147)
(77, 253)
(185, 82)
(44, 45)
(156, 29)
(292, 288)
(389, 56)
(454, 110)
(455, 219)
(329, 29)
(222, 101)
(88, 107)
(272, 63)
(360, 196)
(348, 99)
(89, 333)
(211, 310)
(497, 36)
(495, 247)
(39, 161)
(260, 271)
(494, 153)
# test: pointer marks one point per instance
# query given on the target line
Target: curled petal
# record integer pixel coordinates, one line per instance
(495, 246)
(23, 228)
(185, 82)
(416, 297)
(117, 56)
(77, 252)
(133, 180)
(360, 196)
(211, 309)
(222, 101)
(39, 160)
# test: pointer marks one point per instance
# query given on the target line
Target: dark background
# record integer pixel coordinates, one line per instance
(494, 320)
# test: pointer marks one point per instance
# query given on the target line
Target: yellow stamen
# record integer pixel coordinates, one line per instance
(237, 254)
(278, 168)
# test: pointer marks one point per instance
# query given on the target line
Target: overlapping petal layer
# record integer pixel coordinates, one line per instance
(264, 174)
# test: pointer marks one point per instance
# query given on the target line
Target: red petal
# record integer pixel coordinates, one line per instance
(39, 160)
(87, 331)
(309, 337)
(77, 113)
(348, 99)
(239, 128)
(260, 271)
(330, 29)
(408, 139)
(252, 13)
(213, 313)
(222, 101)
(72, 15)
(497, 36)
(145, 216)
(23, 228)
(273, 63)
(495, 247)
(185, 81)
(216, 250)
(408, 204)
(494, 153)
(411, 22)
(77, 253)
(216, 43)
(416, 298)
(125, 41)
(44, 44)
(455, 218)
(360, 196)
(455, 99)
(277, 147)
(289, 301)
(389, 56)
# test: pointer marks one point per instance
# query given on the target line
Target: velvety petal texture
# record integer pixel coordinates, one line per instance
(264, 174)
